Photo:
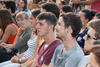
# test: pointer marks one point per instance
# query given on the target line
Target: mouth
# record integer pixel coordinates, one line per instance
(38, 31)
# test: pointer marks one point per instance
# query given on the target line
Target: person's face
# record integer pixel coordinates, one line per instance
(92, 61)
(61, 11)
(89, 38)
(42, 28)
(82, 17)
(17, 2)
(60, 4)
(20, 22)
(22, 4)
(33, 21)
(2, 5)
(60, 28)
(30, 5)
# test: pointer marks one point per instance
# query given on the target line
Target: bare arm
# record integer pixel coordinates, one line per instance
(34, 62)
(15, 59)
(44, 65)
(1, 32)
(84, 2)
(20, 32)
(30, 63)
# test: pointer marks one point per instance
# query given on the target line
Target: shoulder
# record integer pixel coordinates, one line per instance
(56, 43)
(12, 27)
(59, 48)
(28, 32)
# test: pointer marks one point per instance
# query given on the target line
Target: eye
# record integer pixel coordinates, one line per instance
(41, 24)
(59, 23)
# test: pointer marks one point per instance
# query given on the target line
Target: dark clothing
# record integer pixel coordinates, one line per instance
(4, 56)
(80, 39)
(45, 55)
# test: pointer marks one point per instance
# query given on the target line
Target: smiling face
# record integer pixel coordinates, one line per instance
(20, 22)
(89, 38)
(42, 28)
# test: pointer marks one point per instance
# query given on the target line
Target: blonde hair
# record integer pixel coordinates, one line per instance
(22, 15)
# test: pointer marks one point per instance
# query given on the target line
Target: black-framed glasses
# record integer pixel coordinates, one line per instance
(91, 37)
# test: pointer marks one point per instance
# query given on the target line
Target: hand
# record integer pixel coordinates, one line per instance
(20, 31)
(15, 59)
(8, 50)
(4, 45)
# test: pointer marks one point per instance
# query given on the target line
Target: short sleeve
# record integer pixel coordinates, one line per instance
(54, 56)
(49, 55)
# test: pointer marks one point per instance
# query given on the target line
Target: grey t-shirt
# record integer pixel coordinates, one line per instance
(70, 59)
(21, 45)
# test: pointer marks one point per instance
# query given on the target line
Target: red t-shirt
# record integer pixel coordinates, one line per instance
(96, 6)
(12, 37)
(45, 56)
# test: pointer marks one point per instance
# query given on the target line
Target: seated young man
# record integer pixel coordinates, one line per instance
(69, 54)
(45, 28)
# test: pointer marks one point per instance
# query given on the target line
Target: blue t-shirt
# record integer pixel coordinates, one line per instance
(80, 39)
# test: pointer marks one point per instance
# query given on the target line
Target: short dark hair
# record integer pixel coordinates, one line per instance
(51, 7)
(66, 8)
(35, 12)
(74, 21)
(11, 5)
(49, 17)
(36, 1)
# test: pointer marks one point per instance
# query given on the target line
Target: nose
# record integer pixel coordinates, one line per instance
(37, 26)
(56, 26)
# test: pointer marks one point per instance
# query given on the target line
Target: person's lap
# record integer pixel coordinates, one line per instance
(12, 65)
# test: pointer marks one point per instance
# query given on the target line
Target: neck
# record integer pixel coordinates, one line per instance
(49, 38)
(69, 43)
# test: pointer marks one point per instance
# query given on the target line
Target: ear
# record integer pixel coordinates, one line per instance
(69, 29)
(51, 27)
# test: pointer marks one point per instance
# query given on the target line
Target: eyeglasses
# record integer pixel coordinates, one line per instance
(91, 37)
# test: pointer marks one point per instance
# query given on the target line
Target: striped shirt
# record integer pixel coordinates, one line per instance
(31, 48)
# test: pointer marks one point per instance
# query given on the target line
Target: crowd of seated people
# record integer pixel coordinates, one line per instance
(49, 33)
